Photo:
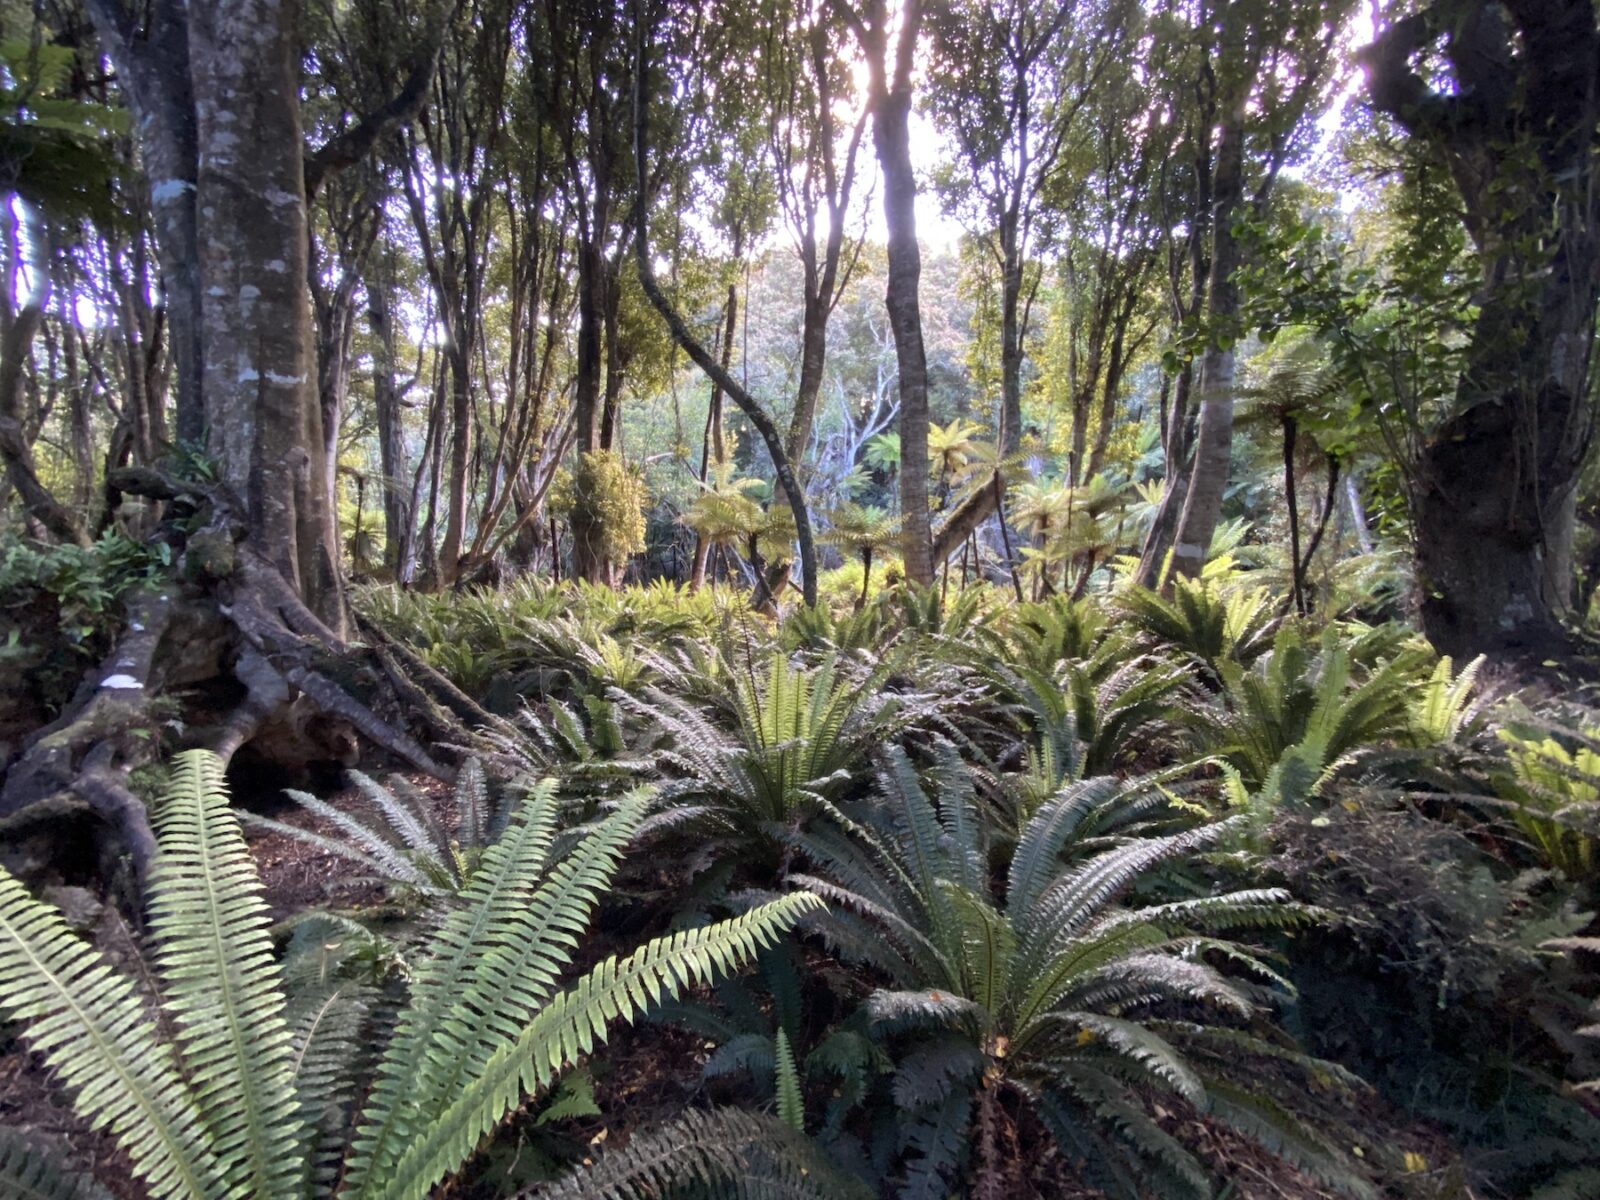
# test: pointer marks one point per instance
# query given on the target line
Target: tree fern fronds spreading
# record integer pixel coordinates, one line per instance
(1116, 1115)
(1035, 862)
(892, 1013)
(1075, 899)
(31, 1169)
(573, 1023)
(934, 1142)
(88, 1024)
(912, 943)
(934, 1068)
(219, 980)
(519, 971)
(1279, 1130)
(723, 1153)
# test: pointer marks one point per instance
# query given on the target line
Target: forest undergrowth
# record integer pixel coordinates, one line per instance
(1130, 895)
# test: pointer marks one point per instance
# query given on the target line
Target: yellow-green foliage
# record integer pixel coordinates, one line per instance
(840, 588)
(1554, 789)
(606, 496)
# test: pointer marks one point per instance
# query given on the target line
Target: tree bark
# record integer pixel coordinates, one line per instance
(264, 424)
(890, 90)
(149, 44)
(1213, 450)
(1494, 486)
(397, 519)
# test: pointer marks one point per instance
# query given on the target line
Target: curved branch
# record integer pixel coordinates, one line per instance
(703, 358)
(348, 148)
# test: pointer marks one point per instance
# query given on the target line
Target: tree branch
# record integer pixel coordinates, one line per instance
(703, 358)
(349, 147)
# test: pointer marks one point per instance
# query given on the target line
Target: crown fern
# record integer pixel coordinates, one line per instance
(231, 1104)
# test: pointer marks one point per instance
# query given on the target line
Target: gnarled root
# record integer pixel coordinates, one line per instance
(238, 628)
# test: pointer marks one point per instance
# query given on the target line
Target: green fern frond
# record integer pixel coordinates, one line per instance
(791, 1106)
(495, 905)
(30, 1169)
(724, 1154)
(573, 1023)
(88, 1024)
(220, 982)
(1275, 1127)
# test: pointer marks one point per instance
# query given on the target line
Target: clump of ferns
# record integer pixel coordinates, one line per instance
(1314, 720)
(585, 748)
(232, 1091)
(781, 748)
(1051, 991)
(1205, 622)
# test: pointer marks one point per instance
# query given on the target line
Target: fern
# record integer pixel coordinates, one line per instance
(88, 1025)
(220, 984)
(721, 1154)
(28, 1171)
(791, 1106)
(249, 1110)
(1056, 991)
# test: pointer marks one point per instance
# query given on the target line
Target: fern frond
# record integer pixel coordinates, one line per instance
(1280, 1131)
(573, 1023)
(936, 1140)
(723, 1153)
(32, 1170)
(791, 1106)
(220, 982)
(496, 900)
(88, 1024)
(395, 863)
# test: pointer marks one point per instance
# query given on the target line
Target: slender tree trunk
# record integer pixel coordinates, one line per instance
(891, 116)
(1213, 451)
(16, 342)
(455, 521)
(1175, 438)
(1292, 500)
(714, 450)
(397, 515)
(1010, 337)
(150, 48)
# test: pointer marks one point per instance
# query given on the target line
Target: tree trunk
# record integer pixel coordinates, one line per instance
(1494, 487)
(16, 447)
(397, 517)
(150, 48)
(1291, 496)
(1213, 450)
(262, 417)
(891, 114)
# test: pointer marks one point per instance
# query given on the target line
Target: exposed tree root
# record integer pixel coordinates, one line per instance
(230, 621)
